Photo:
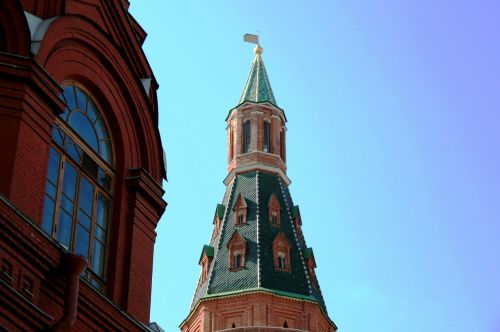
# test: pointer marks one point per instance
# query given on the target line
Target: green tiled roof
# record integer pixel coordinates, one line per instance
(220, 211)
(259, 271)
(295, 211)
(208, 250)
(308, 253)
(258, 88)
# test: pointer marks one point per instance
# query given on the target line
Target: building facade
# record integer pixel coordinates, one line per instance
(257, 273)
(81, 167)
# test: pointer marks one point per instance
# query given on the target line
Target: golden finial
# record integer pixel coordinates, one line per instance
(258, 50)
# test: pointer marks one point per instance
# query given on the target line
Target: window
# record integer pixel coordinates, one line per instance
(237, 246)
(282, 145)
(231, 144)
(240, 211)
(281, 260)
(281, 253)
(79, 182)
(206, 258)
(237, 260)
(274, 208)
(267, 137)
(311, 265)
(247, 136)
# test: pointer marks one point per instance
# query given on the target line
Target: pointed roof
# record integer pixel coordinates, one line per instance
(258, 88)
(259, 274)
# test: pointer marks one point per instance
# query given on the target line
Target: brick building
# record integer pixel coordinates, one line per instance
(81, 167)
(257, 273)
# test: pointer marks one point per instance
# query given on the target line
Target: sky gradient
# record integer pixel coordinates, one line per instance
(393, 149)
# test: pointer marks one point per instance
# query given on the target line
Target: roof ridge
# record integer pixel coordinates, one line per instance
(223, 225)
(302, 260)
(258, 227)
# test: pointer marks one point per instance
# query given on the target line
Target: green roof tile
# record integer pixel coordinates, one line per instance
(258, 88)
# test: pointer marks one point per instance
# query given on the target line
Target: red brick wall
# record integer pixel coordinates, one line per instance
(257, 312)
(97, 47)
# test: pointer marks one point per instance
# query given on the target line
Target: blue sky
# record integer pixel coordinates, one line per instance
(393, 149)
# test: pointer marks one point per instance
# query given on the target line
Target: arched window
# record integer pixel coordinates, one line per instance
(79, 182)
(267, 137)
(247, 136)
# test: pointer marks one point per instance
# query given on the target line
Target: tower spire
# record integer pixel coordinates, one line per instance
(257, 271)
(257, 88)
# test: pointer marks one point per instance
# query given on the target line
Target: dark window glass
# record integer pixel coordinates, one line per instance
(237, 261)
(82, 125)
(267, 137)
(82, 241)
(247, 137)
(48, 214)
(64, 228)
(86, 198)
(281, 262)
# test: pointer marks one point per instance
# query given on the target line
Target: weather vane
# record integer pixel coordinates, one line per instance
(254, 39)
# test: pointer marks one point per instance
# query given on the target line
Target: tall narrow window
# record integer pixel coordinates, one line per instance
(78, 189)
(231, 144)
(237, 260)
(282, 145)
(247, 137)
(267, 137)
(281, 261)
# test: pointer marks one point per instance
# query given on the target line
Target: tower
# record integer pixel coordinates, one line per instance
(257, 272)
(81, 167)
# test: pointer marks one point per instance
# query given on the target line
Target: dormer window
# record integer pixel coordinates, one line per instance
(237, 246)
(267, 137)
(240, 211)
(247, 136)
(219, 214)
(274, 210)
(206, 257)
(311, 266)
(297, 221)
(281, 253)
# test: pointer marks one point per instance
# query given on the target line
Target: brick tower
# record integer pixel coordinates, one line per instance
(257, 273)
(81, 167)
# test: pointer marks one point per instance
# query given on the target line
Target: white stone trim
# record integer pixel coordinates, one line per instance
(260, 166)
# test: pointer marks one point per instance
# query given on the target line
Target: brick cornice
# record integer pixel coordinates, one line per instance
(28, 71)
(141, 181)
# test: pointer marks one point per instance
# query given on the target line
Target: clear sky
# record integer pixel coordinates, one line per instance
(393, 148)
